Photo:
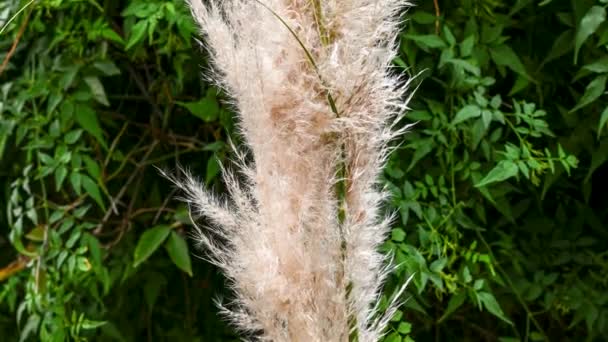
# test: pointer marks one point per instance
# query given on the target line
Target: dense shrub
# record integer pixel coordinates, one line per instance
(499, 187)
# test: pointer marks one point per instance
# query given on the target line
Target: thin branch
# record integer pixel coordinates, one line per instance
(144, 91)
(15, 42)
(124, 188)
(437, 15)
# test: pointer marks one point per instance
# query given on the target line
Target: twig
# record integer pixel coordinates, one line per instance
(529, 313)
(15, 43)
(114, 143)
(124, 188)
(15, 16)
(163, 206)
(144, 91)
(13, 268)
(437, 15)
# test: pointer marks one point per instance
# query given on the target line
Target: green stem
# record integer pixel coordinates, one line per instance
(529, 313)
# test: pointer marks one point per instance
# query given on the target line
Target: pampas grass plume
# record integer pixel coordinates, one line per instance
(317, 104)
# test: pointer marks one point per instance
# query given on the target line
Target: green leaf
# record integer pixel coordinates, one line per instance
(603, 120)
(74, 237)
(397, 234)
(599, 66)
(428, 40)
(404, 328)
(137, 33)
(393, 337)
(561, 46)
(213, 169)
(178, 252)
(466, 47)
(87, 119)
(110, 34)
(30, 327)
(467, 112)
(76, 181)
(588, 25)
(503, 55)
(95, 248)
(36, 234)
(455, 302)
(421, 148)
(108, 68)
(466, 65)
(206, 109)
(72, 137)
(486, 118)
(449, 36)
(89, 324)
(60, 173)
(92, 166)
(438, 265)
(489, 302)
(214, 146)
(503, 171)
(149, 242)
(422, 17)
(398, 61)
(99, 94)
(594, 90)
(90, 186)
(141, 9)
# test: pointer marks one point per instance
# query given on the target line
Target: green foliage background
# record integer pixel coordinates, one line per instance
(500, 186)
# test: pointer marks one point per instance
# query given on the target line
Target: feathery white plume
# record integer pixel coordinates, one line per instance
(317, 103)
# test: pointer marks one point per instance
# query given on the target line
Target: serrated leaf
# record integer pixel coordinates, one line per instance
(599, 66)
(593, 90)
(206, 109)
(489, 302)
(422, 17)
(99, 94)
(30, 327)
(91, 166)
(149, 242)
(466, 47)
(427, 40)
(76, 181)
(137, 33)
(108, 68)
(588, 25)
(91, 188)
(503, 55)
(467, 112)
(74, 237)
(455, 302)
(72, 136)
(177, 248)
(501, 172)
(60, 173)
(95, 248)
(466, 65)
(87, 119)
(486, 118)
(36, 234)
(449, 36)
(110, 34)
(561, 46)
